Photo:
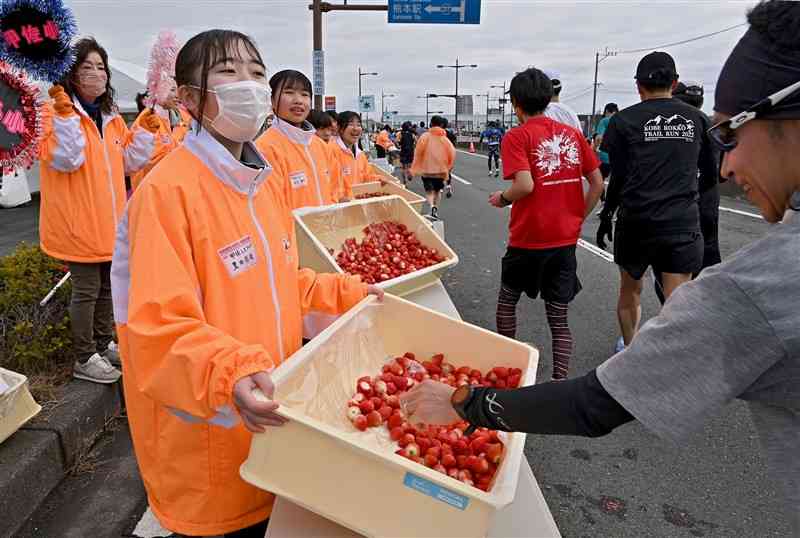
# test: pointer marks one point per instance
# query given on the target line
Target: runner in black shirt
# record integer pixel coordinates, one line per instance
(655, 148)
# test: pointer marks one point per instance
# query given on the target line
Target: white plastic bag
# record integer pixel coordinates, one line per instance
(14, 190)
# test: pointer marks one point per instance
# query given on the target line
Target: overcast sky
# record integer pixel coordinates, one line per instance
(513, 34)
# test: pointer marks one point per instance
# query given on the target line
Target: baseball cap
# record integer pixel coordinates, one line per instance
(689, 87)
(656, 67)
(554, 77)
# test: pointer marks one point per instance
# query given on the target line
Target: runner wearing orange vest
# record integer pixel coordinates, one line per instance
(209, 297)
(86, 150)
(291, 147)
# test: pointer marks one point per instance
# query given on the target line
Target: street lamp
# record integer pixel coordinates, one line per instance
(457, 67)
(385, 96)
(427, 97)
(360, 75)
(502, 101)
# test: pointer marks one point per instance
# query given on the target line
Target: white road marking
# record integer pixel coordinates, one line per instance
(471, 154)
(597, 251)
(461, 179)
(739, 212)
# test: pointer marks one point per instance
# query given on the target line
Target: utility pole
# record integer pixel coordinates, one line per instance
(427, 97)
(597, 59)
(360, 75)
(318, 7)
(457, 67)
(383, 96)
(502, 103)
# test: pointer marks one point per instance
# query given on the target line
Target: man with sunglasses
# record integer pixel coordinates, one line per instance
(655, 149)
(732, 333)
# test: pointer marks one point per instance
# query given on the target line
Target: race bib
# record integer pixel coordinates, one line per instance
(298, 179)
(238, 257)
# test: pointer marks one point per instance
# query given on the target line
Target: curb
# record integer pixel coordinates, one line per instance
(35, 459)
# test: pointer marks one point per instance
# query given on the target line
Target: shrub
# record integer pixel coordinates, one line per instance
(33, 339)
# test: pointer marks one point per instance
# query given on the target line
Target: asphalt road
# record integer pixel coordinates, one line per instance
(629, 483)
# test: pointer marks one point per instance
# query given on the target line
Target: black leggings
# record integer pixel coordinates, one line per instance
(493, 152)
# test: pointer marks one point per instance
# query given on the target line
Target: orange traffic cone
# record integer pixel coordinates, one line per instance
(472, 147)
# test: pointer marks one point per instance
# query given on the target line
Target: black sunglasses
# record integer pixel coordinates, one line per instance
(723, 134)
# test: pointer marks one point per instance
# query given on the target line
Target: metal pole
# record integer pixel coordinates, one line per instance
(317, 9)
(427, 112)
(487, 110)
(457, 68)
(594, 93)
(359, 86)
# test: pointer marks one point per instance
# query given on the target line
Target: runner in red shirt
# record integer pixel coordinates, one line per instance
(547, 162)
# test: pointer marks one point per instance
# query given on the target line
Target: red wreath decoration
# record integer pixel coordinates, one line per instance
(24, 121)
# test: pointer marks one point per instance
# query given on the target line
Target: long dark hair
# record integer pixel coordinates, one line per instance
(288, 78)
(82, 49)
(204, 51)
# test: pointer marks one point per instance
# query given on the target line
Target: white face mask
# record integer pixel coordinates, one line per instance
(243, 108)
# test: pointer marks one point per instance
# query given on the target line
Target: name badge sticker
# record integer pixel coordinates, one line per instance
(298, 179)
(431, 489)
(239, 256)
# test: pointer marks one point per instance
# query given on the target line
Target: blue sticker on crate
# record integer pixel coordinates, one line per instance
(436, 491)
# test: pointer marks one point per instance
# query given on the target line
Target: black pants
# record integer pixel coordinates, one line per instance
(381, 151)
(494, 153)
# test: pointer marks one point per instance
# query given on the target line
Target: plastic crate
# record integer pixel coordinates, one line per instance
(17, 406)
(321, 462)
(414, 199)
(386, 174)
(323, 228)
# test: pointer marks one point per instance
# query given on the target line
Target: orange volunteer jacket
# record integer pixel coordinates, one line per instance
(167, 139)
(83, 182)
(383, 140)
(301, 159)
(434, 155)
(353, 169)
(206, 290)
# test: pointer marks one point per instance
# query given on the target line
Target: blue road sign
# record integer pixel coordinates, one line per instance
(435, 11)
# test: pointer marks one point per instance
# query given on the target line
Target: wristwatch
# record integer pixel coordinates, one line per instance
(505, 200)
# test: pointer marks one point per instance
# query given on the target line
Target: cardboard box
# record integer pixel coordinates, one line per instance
(322, 228)
(17, 406)
(319, 461)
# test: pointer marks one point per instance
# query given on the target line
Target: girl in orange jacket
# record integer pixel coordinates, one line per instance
(209, 298)
(85, 152)
(174, 122)
(291, 146)
(352, 163)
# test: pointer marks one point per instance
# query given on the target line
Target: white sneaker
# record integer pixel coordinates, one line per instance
(490, 173)
(112, 354)
(97, 370)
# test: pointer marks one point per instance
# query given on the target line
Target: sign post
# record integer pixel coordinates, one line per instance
(319, 73)
(435, 11)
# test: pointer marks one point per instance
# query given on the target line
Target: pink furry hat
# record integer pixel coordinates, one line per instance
(161, 71)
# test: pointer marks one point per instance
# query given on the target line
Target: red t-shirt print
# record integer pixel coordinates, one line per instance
(558, 157)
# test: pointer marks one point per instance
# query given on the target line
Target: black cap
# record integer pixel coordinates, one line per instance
(695, 89)
(658, 67)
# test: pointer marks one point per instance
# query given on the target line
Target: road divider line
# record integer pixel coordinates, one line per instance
(597, 251)
(740, 212)
(461, 179)
(471, 154)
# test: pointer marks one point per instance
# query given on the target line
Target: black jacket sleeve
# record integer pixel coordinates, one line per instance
(709, 161)
(618, 160)
(579, 406)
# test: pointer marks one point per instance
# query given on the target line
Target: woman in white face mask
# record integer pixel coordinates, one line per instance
(209, 298)
(292, 147)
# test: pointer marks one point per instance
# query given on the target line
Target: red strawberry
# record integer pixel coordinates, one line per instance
(501, 371)
(494, 452)
(501, 384)
(464, 475)
(452, 473)
(381, 387)
(471, 462)
(464, 370)
(448, 460)
(374, 419)
(396, 421)
(366, 407)
(353, 413)
(437, 359)
(481, 466)
(396, 434)
(393, 401)
(461, 461)
(360, 422)
(385, 412)
(514, 380)
(440, 468)
(377, 402)
(478, 444)
(391, 388)
(424, 443)
(365, 388)
(409, 355)
(431, 460)
(406, 440)
(435, 451)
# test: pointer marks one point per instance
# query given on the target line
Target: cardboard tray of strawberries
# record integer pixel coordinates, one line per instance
(384, 240)
(376, 480)
(377, 190)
